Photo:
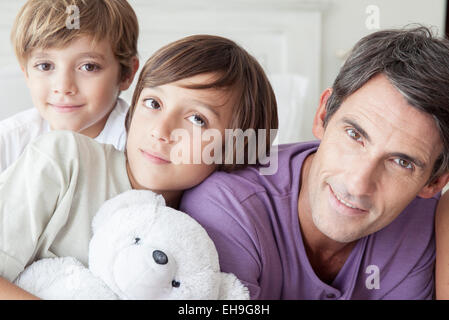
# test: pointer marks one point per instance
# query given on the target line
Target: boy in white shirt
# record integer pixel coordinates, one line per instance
(75, 75)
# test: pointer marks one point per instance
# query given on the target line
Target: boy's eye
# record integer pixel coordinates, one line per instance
(404, 163)
(197, 120)
(90, 67)
(151, 103)
(354, 134)
(44, 66)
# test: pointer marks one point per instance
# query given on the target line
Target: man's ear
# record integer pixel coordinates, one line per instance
(124, 85)
(434, 187)
(318, 121)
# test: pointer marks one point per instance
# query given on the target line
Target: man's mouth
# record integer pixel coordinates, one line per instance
(344, 202)
(353, 207)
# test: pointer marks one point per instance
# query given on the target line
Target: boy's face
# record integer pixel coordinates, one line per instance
(76, 87)
(161, 110)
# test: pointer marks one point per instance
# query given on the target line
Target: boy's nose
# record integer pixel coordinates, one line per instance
(64, 83)
(161, 129)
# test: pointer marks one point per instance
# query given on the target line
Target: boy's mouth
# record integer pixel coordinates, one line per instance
(65, 107)
(154, 157)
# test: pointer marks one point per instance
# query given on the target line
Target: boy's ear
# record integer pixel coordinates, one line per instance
(124, 85)
(318, 121)
(24, 71)
(434, 187)
(26, 75)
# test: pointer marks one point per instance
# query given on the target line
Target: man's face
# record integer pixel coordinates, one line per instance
(376, 155)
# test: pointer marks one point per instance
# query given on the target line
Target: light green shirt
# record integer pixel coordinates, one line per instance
(50, 195)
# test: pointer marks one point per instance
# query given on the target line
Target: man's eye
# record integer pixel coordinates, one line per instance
(44, 66)
(151, 103)
(197, 120)
(404, 163)
(354, 134)
(90, 67)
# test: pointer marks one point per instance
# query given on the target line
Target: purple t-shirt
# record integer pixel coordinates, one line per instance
(253, 220)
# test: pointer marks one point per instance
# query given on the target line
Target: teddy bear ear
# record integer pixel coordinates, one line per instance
(231, 288)
(123, 200)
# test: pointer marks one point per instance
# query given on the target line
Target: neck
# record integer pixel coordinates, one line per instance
(172, 197)
(94, 130)
(326, 255)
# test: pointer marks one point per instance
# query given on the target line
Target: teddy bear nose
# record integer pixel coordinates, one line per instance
(160, 257)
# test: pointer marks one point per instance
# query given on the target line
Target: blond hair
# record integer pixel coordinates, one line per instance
(43, 24)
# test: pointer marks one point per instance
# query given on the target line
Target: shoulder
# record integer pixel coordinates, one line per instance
(409, 241)
(17, 132)
(229, 207)
(413, 228)
(242, 184)
(68, 145)
(404, 254)
(419, 215)
(76, 156)
(245, 198)
(119, 111)
(58, 138)
(114, 131)
(121, 107)
(28, 120)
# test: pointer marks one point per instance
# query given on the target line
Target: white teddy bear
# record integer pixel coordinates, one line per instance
(140, 249)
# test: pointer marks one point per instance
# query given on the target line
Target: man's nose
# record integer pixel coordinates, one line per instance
(64, 82)
(362, 176)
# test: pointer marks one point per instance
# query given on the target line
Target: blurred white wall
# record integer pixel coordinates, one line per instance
(345, 22)
(298, 37)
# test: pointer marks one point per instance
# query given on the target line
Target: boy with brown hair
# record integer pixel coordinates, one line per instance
(75, 71)
(196, 84)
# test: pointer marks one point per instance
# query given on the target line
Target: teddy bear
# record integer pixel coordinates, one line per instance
(140, 249)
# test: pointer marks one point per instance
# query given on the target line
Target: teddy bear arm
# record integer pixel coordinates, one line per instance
(62, 279)
(231, 288)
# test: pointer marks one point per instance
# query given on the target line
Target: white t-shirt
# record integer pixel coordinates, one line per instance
(49, 196)
(19, 130)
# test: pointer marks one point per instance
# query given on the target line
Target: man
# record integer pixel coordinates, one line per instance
(350, 216)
